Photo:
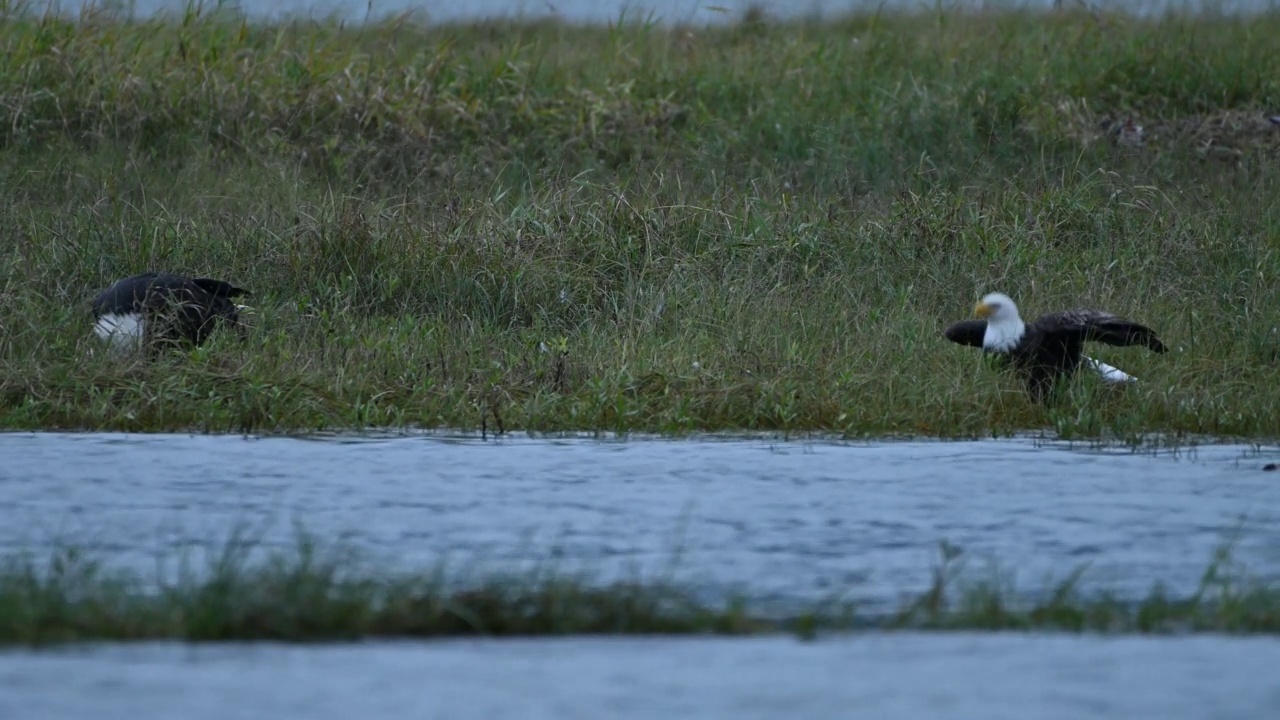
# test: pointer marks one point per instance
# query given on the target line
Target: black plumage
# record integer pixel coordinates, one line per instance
(1050, 348)
(153, 310)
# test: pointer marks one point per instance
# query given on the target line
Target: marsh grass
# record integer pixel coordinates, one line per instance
(763, 226)
(305, 595)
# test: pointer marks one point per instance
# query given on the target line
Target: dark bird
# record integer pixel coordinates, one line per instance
(156, 309)
(1051, 347)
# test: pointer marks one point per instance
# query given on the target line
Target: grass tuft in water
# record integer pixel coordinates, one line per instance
(299, 597)
(760, 226)
(1225, 601)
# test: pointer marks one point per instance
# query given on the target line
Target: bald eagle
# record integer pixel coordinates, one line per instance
(152, 309)
(1050, 348)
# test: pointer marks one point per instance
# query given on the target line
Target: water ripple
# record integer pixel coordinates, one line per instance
(779, 520)
(898, 675)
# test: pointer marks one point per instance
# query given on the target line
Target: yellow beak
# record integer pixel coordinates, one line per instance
(982, 310)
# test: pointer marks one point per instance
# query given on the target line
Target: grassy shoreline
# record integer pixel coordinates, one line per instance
(305, 596)
(543, 227)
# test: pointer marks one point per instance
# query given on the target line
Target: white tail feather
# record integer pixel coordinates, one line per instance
(122, 333)
(1108, 373)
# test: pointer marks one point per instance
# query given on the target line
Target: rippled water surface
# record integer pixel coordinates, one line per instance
(791, 521)
(697, 12)
(929, 677)
(778, 520)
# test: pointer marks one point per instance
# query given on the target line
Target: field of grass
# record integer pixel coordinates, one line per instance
(310, 595)
(762, 226)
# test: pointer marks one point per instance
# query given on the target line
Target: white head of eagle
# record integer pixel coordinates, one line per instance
(1004, 327)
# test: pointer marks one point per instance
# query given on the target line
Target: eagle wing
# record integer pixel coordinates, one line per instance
(219, 288)
(124, 295)
(1099, 326)
(967, 332)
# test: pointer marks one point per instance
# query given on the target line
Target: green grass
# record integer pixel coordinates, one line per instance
(763, 226)
(306, 595)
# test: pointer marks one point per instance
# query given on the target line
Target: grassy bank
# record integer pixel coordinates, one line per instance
(759, 226)
(307, 596)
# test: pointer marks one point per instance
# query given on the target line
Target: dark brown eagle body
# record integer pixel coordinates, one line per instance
(156, 309)
(1051, 348)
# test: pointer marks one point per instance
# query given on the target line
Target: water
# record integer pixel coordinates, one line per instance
(696, 12)
(929, 677)
(790, 522)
